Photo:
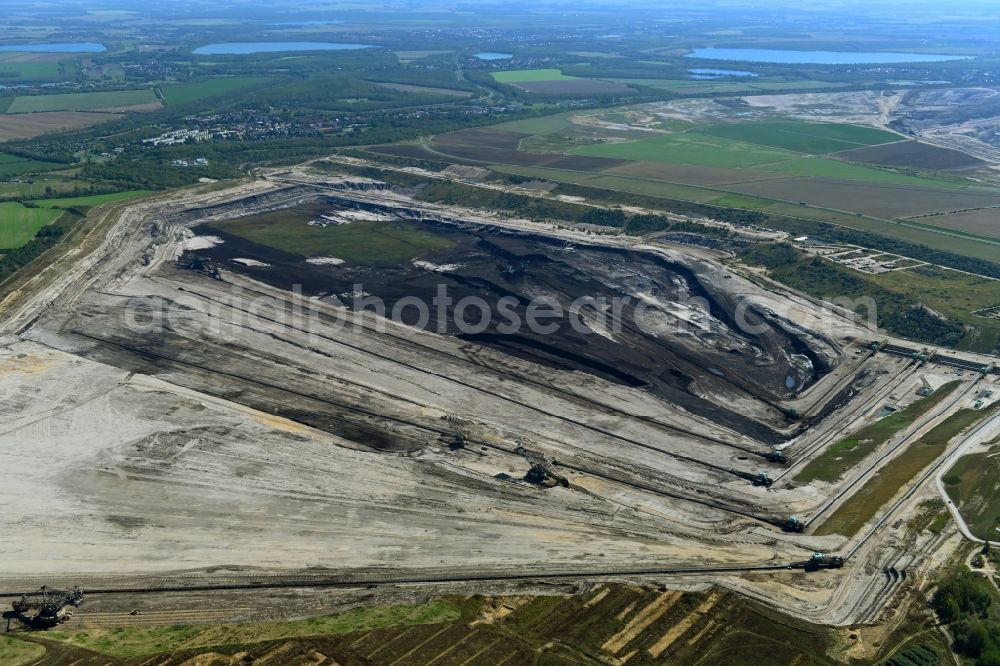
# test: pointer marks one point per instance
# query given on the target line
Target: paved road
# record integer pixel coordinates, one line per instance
(976, 436)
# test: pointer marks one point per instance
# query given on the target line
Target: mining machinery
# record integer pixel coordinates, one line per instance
(792, 524)
(544, 475)
(196, 262)
(45, 608)
(776, 456)
(820, 561)
(542, 470)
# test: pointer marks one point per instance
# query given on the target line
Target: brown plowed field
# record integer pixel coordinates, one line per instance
(885, 201)
(495, 146)
(405, 150)
(482, 137)
(985, 221)
(517, 158)
(575, 87)
(28, 125)
(911, 154)
(692, 175)
(136, 108)
(406, 87)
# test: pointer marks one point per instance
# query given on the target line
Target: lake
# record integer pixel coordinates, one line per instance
(492, 55)
(707, 73)
(61, 47)
(307, 23)
(817, 57)
(245, 48)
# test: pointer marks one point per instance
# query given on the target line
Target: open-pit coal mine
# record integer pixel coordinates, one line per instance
(245, 377)
(632, 317)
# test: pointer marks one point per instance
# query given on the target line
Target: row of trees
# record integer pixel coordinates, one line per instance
(14, 260)
(819, 230)
(536, 208)
(898, 313)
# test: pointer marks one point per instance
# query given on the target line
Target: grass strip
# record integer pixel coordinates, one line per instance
(850, 451)
(853, 514)
(138, 641)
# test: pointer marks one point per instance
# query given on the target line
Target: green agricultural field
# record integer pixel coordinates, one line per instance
(784, 86)
(543, 125)
(777, 181)
(14, 165)
(14, 652)
(803, 137)
(824, 167)
(595, 54)
(91, 200)
(138, 641)
(615, 183)
(741, 201)
(182, 93)
(410, 56)
(701, 148)
(532, 76)
(369, 243)
(18, 224)
(81, 101)
(853, 514)
(704, 87)
(689, 86)
(690, 148)
(37, 188)
(13, 72)
(850, 451)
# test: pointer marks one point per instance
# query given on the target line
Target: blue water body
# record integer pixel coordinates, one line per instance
(702, 73)
(245, 48)
(307, 23)
(63, 47)
(817, 57)
(493, 55)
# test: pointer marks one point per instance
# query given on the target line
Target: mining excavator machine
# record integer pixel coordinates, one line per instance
(776, 456)
(792, 524)
(544, 475)
(45, 608)
(820, 561)
(542, 470)
(196, 262)
(877, 345)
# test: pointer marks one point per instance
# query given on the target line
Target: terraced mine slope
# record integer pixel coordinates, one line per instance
(214, 410)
